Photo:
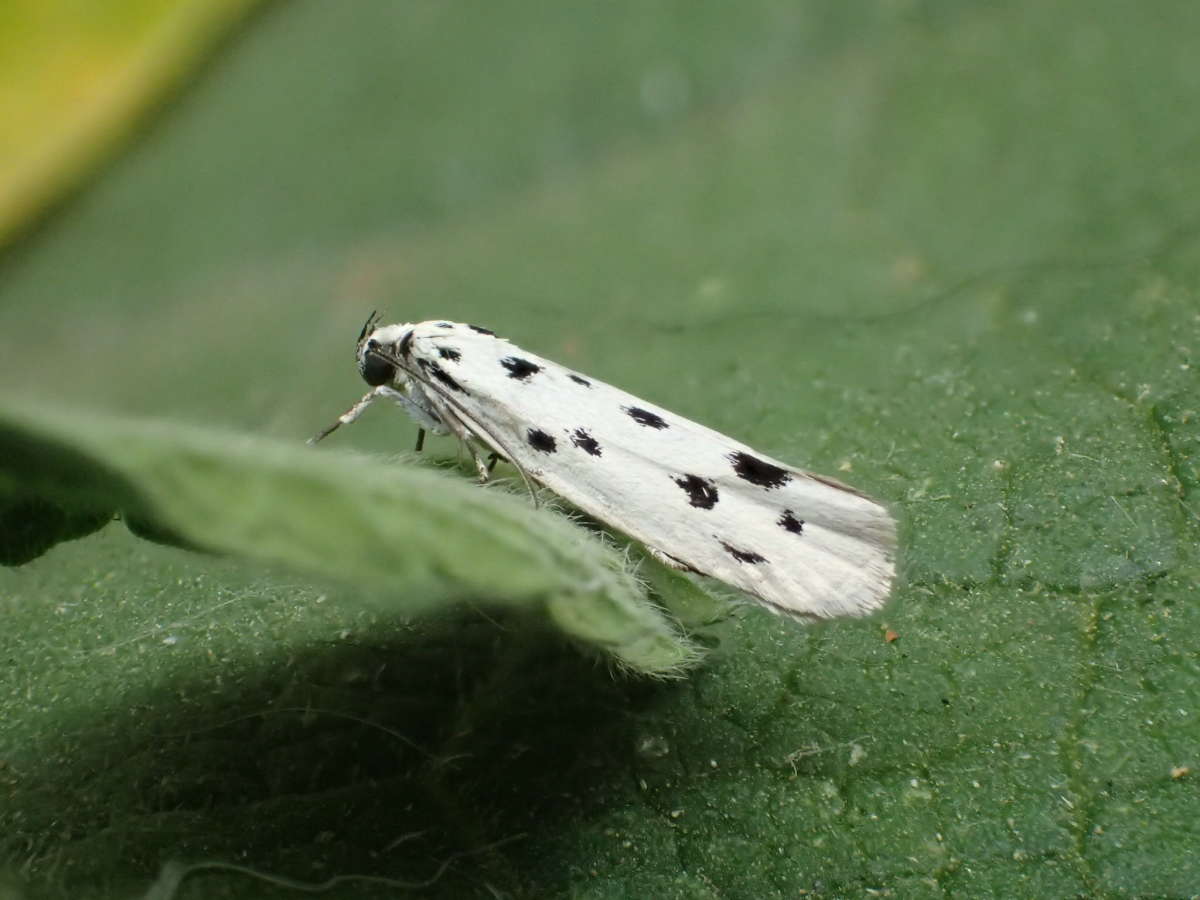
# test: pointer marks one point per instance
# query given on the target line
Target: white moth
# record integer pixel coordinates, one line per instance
(803, 544)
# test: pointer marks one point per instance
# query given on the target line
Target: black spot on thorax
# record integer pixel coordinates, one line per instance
(701, 492)
(521, 369)
(585, 442)
(645, 417)
(539, 440)
(757, 471)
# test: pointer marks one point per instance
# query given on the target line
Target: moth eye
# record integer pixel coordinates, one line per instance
(376, 370)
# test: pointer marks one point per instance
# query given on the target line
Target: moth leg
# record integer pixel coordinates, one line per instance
(481, 466)
(469, 432)
(485, 466)
(349, 415)
(668, 560)
(485, 471)
(414, 409)
(417, 408)
(420, 440)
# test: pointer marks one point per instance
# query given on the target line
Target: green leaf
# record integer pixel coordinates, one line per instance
(946, 252)
(413, 535)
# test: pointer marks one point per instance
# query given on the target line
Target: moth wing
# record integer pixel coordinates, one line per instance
(825, 549)
(804, 544)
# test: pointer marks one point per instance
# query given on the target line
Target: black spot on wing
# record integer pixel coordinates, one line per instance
(645, 417)
(757, 471)
(521, 369)
(444, 324)
(482, 330)
(701, 491)
(449, 353)
(406, 344)
(742, 556)
(539, 440)
(579, 379)
(585, 442)
(789, 522)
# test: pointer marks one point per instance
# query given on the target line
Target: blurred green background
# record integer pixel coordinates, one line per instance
(947, 252)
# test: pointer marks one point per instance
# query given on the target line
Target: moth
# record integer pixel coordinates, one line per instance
(803, 544)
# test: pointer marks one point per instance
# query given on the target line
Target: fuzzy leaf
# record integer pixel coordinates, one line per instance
(414, 536)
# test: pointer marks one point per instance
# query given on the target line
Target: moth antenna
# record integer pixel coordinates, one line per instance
(371, 320)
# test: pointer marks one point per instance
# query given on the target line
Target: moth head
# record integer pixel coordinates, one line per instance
(376, 364)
